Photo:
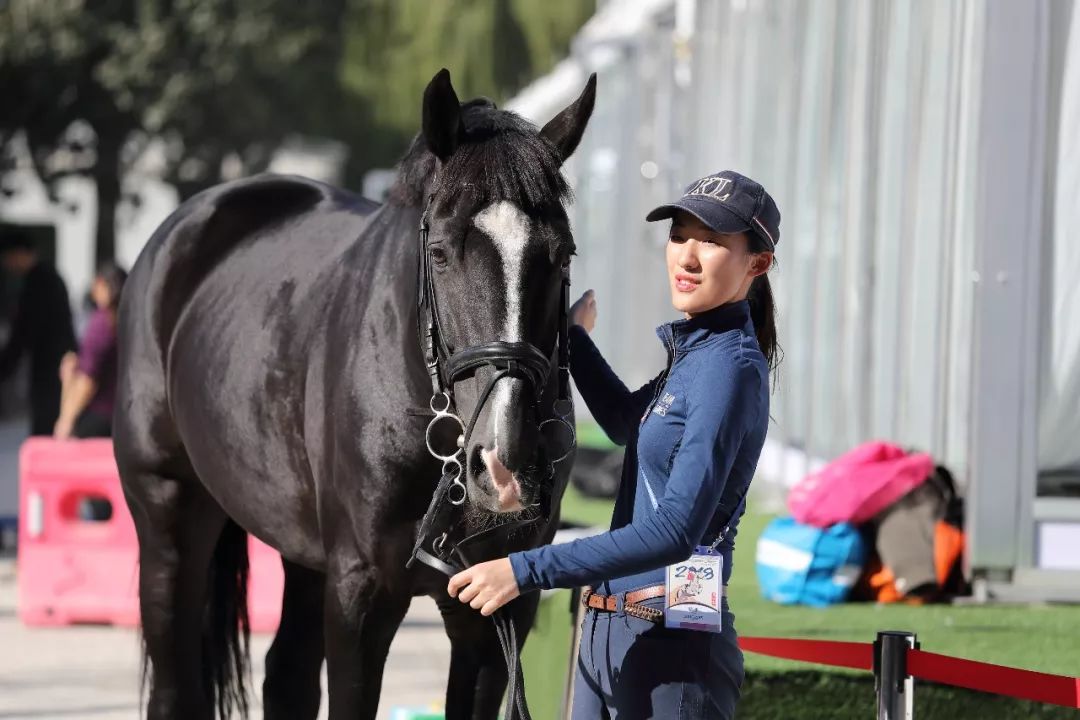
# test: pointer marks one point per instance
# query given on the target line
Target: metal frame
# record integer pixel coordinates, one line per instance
(1004, 511)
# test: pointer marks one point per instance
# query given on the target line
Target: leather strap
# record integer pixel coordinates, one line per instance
(610, 603)
(648, 593)
(527, 360)
(564, 337)
(599, 602)
(433, 562)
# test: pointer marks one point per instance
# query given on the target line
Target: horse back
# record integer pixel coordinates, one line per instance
(218, 330)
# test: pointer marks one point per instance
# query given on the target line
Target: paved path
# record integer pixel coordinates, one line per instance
(91, 672)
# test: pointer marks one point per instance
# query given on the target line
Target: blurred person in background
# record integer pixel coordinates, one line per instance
(89, 377)
(41, 327)
(693, 436)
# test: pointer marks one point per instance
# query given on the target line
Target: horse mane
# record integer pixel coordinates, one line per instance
(502, 157)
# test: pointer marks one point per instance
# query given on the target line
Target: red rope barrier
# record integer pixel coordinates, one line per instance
(970, 674)
(859, 656)
(995, 679)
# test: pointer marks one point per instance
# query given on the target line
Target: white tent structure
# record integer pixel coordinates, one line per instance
(920, 155)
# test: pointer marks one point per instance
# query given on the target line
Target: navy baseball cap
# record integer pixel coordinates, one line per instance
(728, 202)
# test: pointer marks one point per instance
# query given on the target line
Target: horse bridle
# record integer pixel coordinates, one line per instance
(509, 359)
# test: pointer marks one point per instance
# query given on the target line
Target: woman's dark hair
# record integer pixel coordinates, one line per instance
(113, 276)
(763, 310)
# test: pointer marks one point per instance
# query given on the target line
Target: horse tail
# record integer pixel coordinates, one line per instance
(144, 673)
(227, 632)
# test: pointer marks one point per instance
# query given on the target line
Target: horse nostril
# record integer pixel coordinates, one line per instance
(501, 475)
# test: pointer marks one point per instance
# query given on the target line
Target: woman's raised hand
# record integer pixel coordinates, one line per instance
(583, 311)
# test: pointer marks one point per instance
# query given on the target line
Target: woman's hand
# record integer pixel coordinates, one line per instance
(583, 312)
(486, 586)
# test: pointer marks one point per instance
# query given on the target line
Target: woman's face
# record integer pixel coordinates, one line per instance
(707, 269)
(99, 293)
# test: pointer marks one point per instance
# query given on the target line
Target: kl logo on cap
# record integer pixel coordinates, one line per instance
(713, 187)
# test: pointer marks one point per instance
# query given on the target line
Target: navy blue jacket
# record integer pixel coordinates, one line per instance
(693, 436)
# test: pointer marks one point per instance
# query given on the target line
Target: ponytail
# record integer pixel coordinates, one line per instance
(763, 314)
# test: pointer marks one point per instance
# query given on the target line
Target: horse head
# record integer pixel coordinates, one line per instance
(498, 246)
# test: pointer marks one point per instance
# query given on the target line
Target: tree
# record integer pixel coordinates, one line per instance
(392, 49)
(92, 84)
(219, 84)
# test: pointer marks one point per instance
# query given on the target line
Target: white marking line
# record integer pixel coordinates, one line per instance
(508, 228)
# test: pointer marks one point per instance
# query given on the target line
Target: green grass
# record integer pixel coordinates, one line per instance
(823, 695)
(582, 510)
(590, 435)
(1036, 637)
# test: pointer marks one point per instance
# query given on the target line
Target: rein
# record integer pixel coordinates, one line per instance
(509, 360)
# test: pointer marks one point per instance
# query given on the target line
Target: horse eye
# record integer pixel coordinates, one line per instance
(438, 255)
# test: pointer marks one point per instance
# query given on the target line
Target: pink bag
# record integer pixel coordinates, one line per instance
(858, 485)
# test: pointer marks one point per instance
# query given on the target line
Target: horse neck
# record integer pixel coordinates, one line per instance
(394, 232)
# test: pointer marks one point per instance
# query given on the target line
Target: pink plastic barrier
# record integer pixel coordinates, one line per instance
(858, 485)
(266, 583)
(77, 571)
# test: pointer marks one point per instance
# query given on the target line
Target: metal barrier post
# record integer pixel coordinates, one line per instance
(894, 687)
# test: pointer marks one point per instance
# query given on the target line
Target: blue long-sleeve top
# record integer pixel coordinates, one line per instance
(693, 436)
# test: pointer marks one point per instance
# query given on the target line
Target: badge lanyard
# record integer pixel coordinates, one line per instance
(693, 588)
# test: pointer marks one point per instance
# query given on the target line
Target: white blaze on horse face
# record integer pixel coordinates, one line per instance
(508, 228)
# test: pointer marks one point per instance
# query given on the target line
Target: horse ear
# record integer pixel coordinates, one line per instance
(443, 130)
(565, 129)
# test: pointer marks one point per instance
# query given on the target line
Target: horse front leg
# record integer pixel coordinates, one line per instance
(478, 676)
(361, 614)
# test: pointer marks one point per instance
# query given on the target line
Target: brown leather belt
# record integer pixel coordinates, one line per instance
(610, 603)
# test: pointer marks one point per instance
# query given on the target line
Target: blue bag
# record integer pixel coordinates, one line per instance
(805, 565)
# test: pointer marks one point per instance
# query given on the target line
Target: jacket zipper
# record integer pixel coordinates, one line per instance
(664, 378)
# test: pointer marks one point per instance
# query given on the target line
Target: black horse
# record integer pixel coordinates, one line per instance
(272, 382)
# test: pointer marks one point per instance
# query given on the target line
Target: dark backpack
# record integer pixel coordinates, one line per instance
(919, 546)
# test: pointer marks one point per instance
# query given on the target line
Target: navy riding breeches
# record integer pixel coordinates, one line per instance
(632, 669)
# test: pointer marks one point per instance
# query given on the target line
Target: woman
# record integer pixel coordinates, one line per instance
(693, 436)
(89, 378)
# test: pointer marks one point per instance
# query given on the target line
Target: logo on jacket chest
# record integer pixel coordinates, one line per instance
(663, 404)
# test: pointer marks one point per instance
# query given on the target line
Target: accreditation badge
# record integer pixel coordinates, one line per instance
(692, 594)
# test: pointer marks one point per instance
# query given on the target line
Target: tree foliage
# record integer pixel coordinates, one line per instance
(92, 82)
(219, 84)
(492, 48)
